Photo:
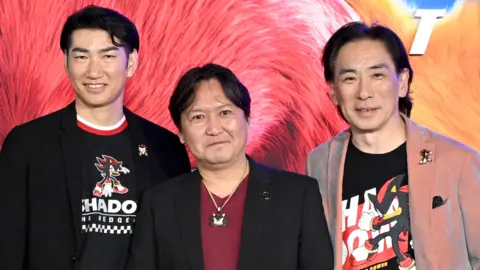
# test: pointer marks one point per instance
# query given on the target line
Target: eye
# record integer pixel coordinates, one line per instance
(226, 112)
(81, 57)
(378, 76)
(349, 79)
(197, 117)
(109, 56)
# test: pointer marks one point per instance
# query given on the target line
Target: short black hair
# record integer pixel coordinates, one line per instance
(356, 31)
(184, 93)
(94, 17)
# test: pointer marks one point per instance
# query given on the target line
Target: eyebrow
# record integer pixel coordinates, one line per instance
(378, 66)
(217, 108)
(351, 70)
(104, 50)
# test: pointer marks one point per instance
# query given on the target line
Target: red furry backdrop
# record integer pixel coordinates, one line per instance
(273, 46)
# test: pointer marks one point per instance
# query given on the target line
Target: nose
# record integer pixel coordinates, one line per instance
(95, 69)
(214, 126)
(364, 90)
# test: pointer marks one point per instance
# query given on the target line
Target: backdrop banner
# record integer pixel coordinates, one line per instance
(274, 47)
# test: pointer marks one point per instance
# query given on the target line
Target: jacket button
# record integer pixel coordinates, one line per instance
(73, 258)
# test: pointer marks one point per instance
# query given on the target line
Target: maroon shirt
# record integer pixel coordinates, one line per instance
(221, 245)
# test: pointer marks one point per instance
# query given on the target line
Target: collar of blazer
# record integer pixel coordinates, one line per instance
(71, 142)
(256, 207)
(421, 180)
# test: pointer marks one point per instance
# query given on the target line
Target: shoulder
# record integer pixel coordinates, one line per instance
(451, 156)
(318, 158)
(152, 129)
(322, 150)
(450, 147)
(167, 188)
(35, 129)
(286, 178)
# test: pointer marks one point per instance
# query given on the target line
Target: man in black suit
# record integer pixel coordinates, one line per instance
(71, 180)
(232, 213)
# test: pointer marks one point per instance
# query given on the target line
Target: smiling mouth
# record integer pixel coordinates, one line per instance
(94, 86)
(366, 109)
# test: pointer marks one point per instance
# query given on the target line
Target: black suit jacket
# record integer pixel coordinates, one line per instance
(40, 185)
(287, 231)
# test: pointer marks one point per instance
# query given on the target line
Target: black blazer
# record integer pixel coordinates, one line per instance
(286, 232)
(40, 186)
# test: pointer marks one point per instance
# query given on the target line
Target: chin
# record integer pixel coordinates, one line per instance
(96, 101)
(368, 127)
(220, 158)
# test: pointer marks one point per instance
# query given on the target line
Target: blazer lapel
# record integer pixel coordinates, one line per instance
(420, 181)
(336, 163)
(72, 153)
(142, 163)
(256, 215)
(187, 209)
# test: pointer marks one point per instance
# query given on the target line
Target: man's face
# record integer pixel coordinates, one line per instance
(97, 68)
(213, 128)
(366, 86)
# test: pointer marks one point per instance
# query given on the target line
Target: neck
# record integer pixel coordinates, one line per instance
(384, 140)
(221, 181)
(101, 116)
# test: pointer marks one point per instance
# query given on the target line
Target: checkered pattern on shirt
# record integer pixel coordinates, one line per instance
(108, 229)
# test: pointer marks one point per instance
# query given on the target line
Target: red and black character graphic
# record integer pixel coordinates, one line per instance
(109, 168)
(385, 214)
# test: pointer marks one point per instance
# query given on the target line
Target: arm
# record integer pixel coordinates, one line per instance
(143, 248)
(316, 251)
(469, 188)
(13, 201)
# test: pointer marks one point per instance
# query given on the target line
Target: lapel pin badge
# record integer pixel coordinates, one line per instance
(426, 156)
(142, 150)
(265, 195)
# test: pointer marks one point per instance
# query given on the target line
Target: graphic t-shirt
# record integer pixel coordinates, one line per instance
(376, 217)
(108, 196)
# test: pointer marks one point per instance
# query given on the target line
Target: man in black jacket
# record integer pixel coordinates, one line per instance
(231, 213)
(71, 180)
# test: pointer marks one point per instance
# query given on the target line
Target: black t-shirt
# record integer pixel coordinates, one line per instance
(109, 202)
(376, 217)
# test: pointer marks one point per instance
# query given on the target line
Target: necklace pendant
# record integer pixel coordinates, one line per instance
(218, 220)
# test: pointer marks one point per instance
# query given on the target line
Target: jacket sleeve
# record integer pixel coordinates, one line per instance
(469, 188)
(13, 201)
(143, 248)
(316, 251)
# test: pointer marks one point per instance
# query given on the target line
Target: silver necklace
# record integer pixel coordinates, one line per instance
(219, 219)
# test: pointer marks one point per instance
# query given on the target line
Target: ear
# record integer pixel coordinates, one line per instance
(333, 96)
(403, 81)
(65, 64)
(132, 63)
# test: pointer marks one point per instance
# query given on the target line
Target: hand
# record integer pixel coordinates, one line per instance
(365, 222)
(124, 170)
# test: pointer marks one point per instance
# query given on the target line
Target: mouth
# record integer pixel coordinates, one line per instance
(95, 86)
(366, 110)
(217, 143)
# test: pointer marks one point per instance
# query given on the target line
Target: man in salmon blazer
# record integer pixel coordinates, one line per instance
(396, 195)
